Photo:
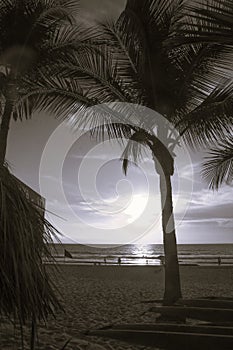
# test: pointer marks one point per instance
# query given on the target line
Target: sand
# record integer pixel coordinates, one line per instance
(96, 296)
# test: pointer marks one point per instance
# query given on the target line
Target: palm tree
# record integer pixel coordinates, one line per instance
(34, 34)
(133, 65)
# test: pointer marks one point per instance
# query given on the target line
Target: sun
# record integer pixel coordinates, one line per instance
(136, 207)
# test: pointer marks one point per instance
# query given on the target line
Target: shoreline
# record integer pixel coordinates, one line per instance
(102, 264)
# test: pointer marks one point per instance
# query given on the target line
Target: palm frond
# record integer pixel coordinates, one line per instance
(199, 126)
(125, 50)
(28, 22)
(26, 289)
(217, 15)
(59, 51)
(151, 22)
(134, 152)
(218, 165)
(69, 37)
(56, 12)
(61, 97)
(29, 30)
(97, 72)
(203, 65)
(66, 99)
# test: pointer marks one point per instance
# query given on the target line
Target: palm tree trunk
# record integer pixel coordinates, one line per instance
(4, 129)
(172, 276)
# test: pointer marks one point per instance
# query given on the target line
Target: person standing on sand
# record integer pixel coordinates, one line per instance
(119, 261)
(219, 260)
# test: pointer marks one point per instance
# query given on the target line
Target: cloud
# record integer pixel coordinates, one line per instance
(86, 157)
(92, 11)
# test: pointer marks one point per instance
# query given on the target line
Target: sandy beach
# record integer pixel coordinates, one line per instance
(97, 296)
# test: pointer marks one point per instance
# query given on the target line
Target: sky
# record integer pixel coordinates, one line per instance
(91, 201)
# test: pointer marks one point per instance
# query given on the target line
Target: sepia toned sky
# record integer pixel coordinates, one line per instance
(97, 203)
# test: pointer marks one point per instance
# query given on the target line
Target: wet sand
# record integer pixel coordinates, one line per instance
(97, 296)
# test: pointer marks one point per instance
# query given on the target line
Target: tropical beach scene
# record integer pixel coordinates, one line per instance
(116, 174)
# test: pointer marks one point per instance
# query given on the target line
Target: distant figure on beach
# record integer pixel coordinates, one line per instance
(119, 261)
(219, 260)
(105, 261)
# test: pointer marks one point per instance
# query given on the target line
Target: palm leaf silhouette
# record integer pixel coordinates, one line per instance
(218, 165)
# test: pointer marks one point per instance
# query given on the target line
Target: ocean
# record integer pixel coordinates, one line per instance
(150, 254)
